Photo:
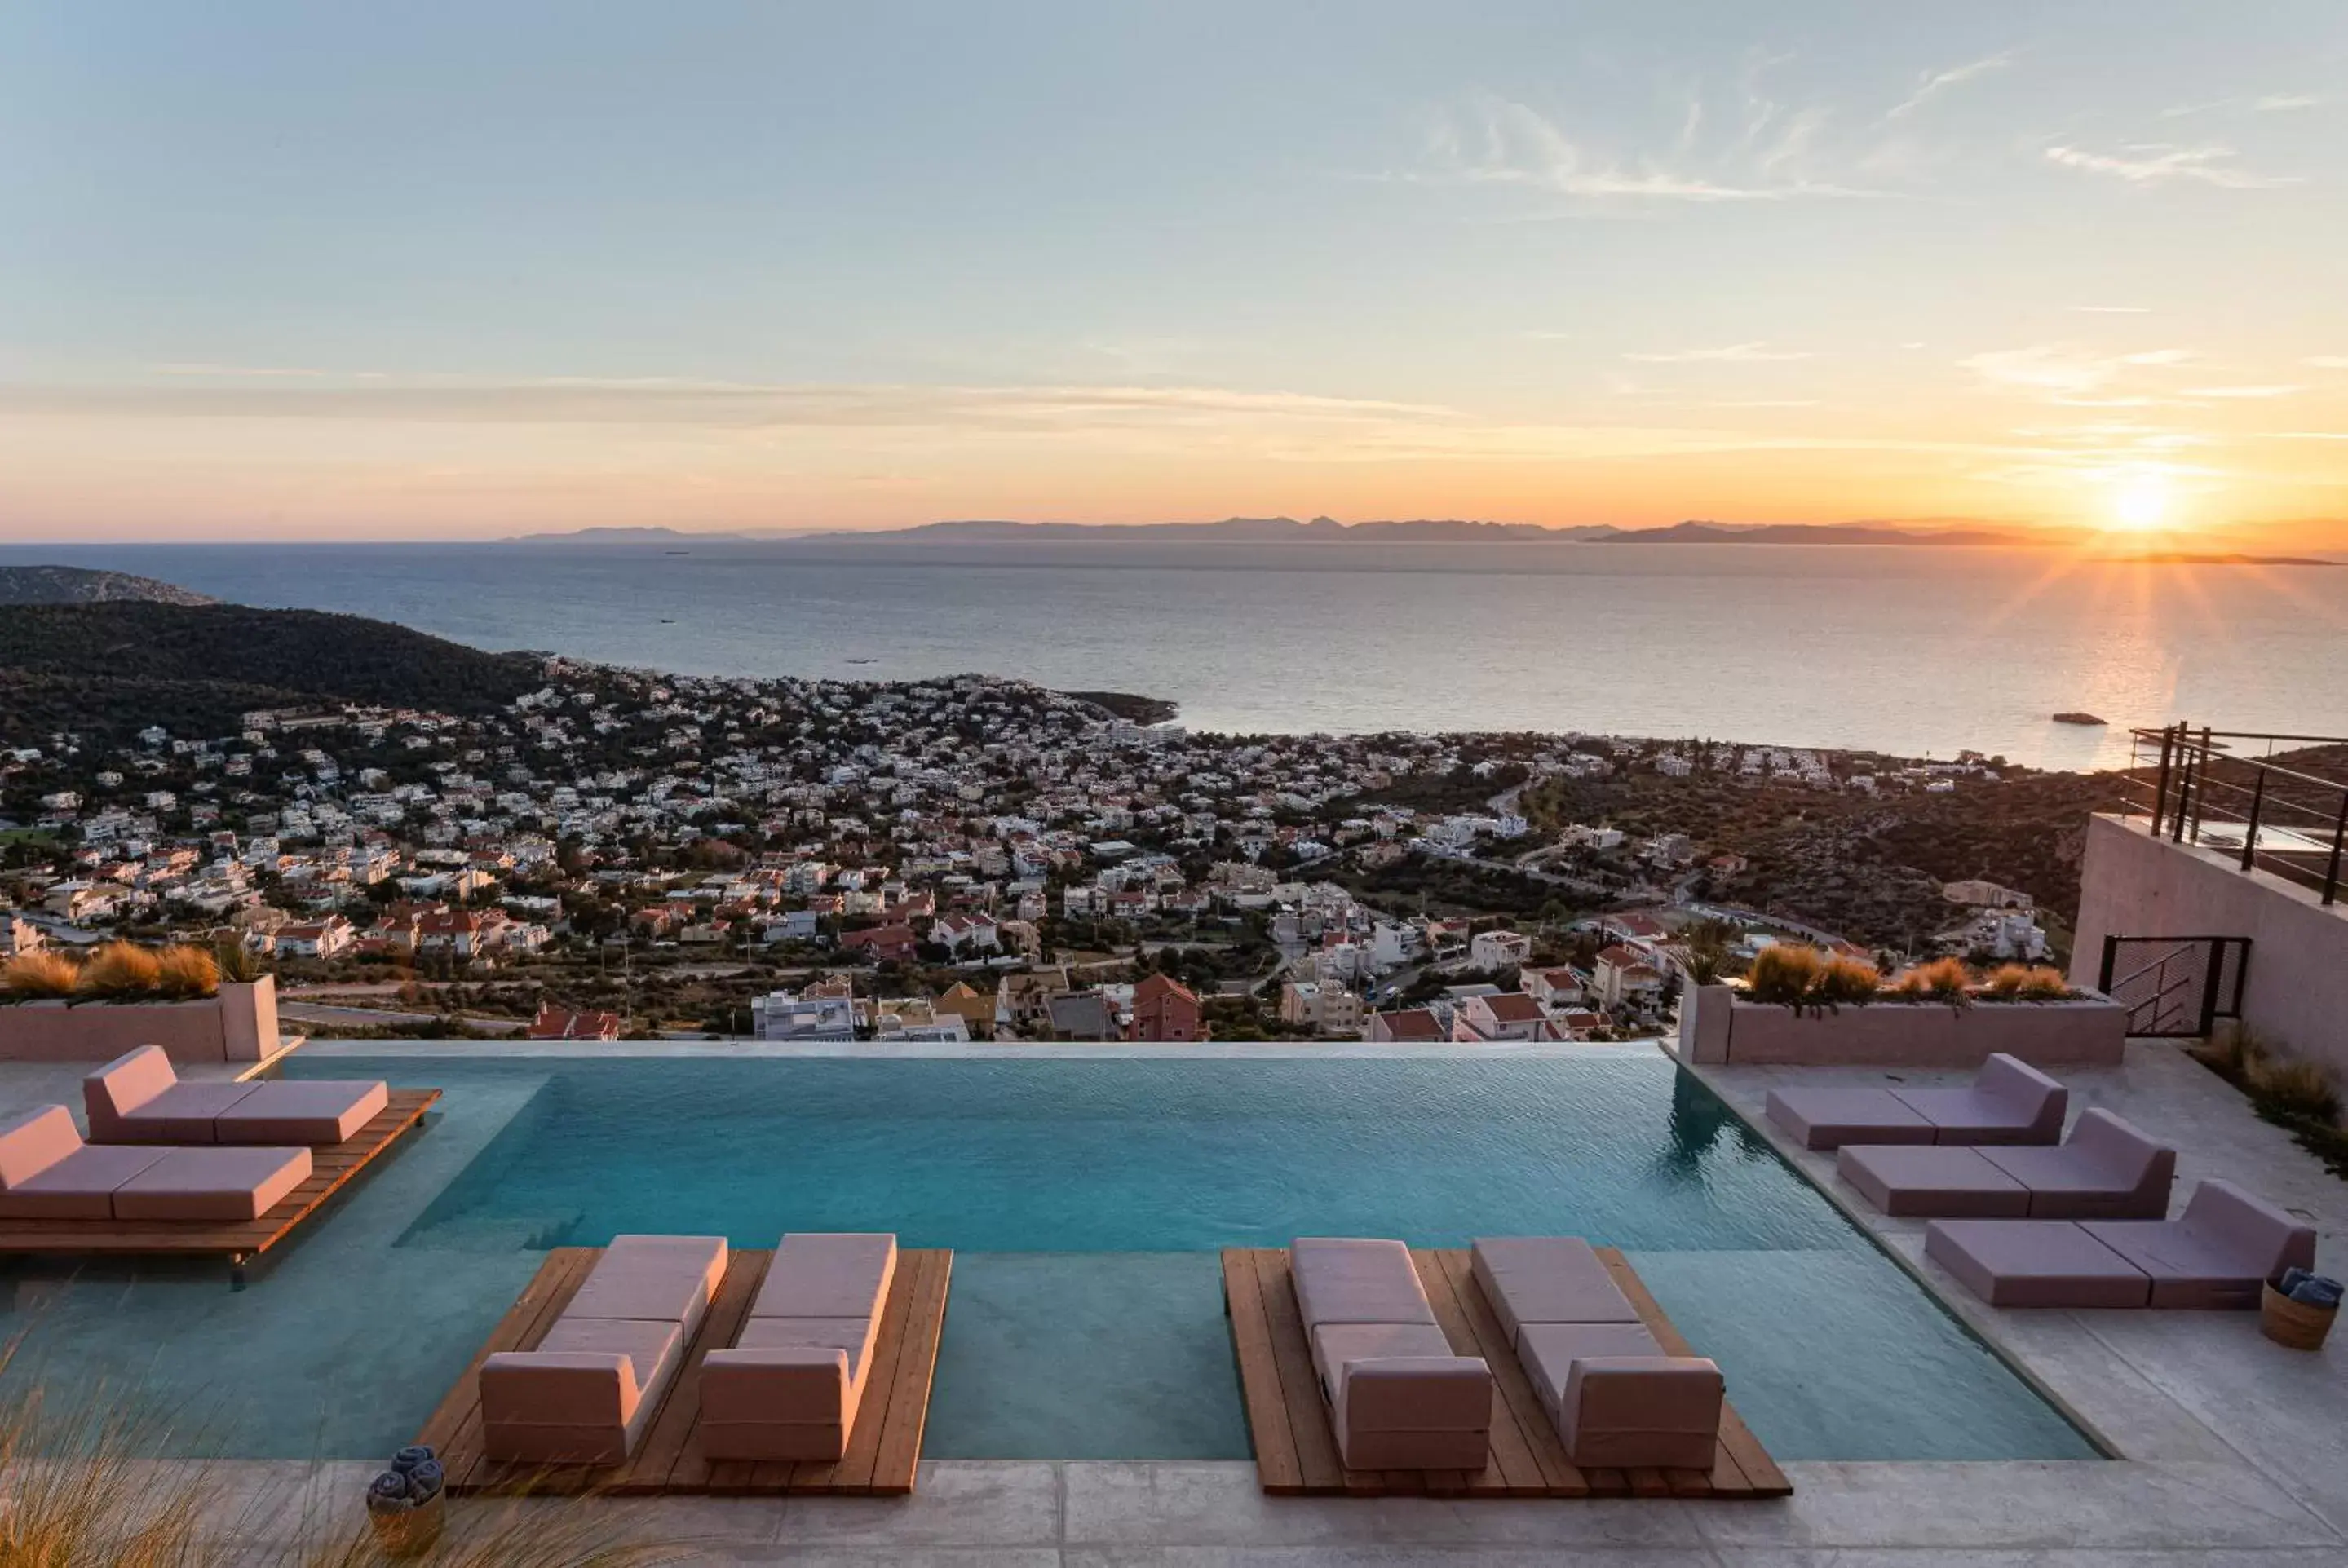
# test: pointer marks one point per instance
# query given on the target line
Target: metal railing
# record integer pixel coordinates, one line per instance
(2176, 987)
(2225, 790)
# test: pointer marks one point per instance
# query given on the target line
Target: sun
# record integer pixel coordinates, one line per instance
(2140, 503)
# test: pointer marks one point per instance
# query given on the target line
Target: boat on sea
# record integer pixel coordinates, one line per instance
(2077, 719)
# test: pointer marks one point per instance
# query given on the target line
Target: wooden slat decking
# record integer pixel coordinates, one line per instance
(884, 1447)
(1296, 1453)
(331, 1170)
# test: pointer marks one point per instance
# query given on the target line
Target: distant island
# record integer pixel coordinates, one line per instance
(2194, 557)
(1820, 534)
(80, 585)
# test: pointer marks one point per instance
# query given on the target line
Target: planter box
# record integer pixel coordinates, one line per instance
(1718, 1025)
(240, 1024)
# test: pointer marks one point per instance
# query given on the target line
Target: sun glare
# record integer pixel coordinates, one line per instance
(2140, 503)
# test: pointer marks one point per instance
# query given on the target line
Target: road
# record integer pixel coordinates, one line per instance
(363, 1018)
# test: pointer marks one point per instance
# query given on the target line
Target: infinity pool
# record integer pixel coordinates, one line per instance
(1085, 1199)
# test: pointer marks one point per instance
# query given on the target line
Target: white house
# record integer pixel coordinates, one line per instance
(1498, 949)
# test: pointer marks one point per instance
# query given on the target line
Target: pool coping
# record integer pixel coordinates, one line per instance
(973, 1050)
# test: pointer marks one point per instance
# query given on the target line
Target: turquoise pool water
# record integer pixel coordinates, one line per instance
(1085, 1199)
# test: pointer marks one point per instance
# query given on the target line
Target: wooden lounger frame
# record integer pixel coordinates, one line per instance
(1296, 1452)
(884, 1447)
(331, 1169)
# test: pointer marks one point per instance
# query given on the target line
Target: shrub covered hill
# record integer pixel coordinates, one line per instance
(85, 585)
(105, 671)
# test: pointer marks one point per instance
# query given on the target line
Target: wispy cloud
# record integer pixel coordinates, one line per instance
(2113, 309)
(2268, 103)
(2304, 435)
(1731, 353)
(2244, 392)
(1932, 84)
(658, 400)
(1493, 140)
(2072, 374)
(2160, 163)
(2327, 361)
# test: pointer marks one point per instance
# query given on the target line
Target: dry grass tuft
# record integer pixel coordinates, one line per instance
(33, 977)
(1846, 981)
(1784, 973)
(2027, 982)
(120, 969)
(186, 972)
(1943, 980)
(2292, 1088)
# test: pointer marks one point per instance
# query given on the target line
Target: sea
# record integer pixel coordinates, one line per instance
(1915, 651)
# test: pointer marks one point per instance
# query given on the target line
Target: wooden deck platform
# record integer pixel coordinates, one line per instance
(331, 1170)
(1296, 1453)
(884, 1447)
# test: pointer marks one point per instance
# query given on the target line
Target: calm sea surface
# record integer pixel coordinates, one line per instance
(1916, 650)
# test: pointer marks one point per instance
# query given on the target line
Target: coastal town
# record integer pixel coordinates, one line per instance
(623, 853)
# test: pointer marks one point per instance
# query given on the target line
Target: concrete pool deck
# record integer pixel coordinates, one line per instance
(2233, 1450)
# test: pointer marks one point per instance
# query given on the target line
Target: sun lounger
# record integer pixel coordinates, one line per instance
(1398, 1396)
(1614, 1395)
(139, 1099)
(588, 1391)
(47, 1172)
(2107, 1170)
(790, 1386)
(2216, 1254)
(2009, 1102)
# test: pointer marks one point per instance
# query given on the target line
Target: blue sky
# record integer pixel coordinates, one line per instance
(340, 270)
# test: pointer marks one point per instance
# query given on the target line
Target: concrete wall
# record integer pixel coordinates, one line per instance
(1716, 1025)
(240, 1024)
(2297, 983)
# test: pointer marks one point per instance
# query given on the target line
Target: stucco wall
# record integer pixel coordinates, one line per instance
(240, 1024)
(2296, 989)
(1715, 1025)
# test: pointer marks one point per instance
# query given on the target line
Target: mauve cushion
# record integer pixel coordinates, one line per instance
(1345, 1280)
(301, 1111)
(227, 1184)
(835, 1276)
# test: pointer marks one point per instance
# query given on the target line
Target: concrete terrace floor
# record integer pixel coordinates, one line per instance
(2233, 1450)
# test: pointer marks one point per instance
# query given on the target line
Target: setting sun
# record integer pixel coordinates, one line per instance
(2140, 503)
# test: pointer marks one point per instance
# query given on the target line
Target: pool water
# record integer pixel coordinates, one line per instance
(1085, 1199)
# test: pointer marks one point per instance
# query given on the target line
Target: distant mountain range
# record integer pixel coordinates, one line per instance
(1945, 534)
(1314, 530)
(80, 585)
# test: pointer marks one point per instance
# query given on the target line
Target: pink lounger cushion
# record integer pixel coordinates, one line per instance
(212, 1183)
(1350, 1280)
(586, 1394)
(1830, 1118)
(2032, 1263)
(2009, 1102)
(2217, 1254)
(2107, 1170)
(1415, 1412)
(1642, 1412)
(790, 1387)
(1398, 1398)
(47, 1173)
(139, 1099)
(316, 1112)
(841, 1275)
(1932, 1182)
(1547, 1279)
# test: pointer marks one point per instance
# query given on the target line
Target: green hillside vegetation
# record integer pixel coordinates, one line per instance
(104, 670)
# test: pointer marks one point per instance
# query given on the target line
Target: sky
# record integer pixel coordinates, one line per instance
(333, 269)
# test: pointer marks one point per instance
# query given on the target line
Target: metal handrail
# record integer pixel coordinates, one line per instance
(2188, 793)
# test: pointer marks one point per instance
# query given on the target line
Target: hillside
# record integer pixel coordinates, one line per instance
(81, 585)
(109, 668)
(1871, 869)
